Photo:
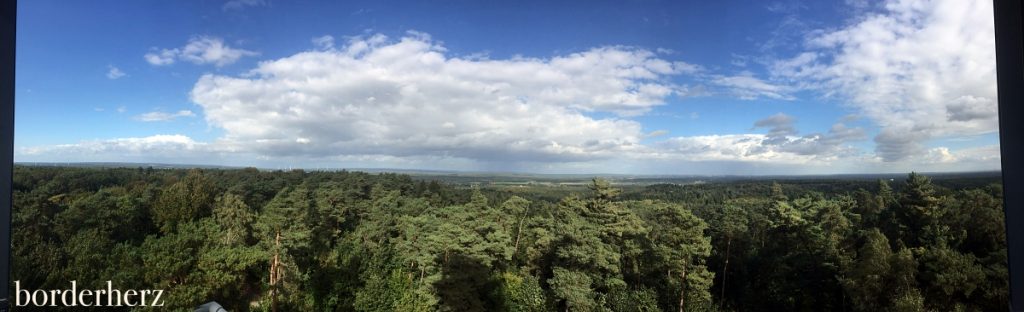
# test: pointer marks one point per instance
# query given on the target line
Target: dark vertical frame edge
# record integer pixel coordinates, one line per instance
(8, 18)
(1010, 79)
(8, 24)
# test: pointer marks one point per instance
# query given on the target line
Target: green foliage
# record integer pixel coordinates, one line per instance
(629, 300)
(919, 211)
(519, 293)
(574, 288)
(395, 292)
(172, 264)
(184, 201)
(352, 241)
(951, 275)
(235, 219)
(909, 301)
(867, 282)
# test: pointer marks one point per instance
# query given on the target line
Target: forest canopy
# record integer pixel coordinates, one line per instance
(257, 240)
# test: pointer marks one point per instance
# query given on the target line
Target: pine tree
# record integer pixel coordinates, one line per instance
(919, 210)
(184, 201)
(866, 283)
(284, 232)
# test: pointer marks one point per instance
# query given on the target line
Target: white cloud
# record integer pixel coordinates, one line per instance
(747, 87)
(710, 154)
(144, 146)
(988, 154)
(858, 4)
(782, 146)
(162, 116)
(325, 42)
(940, 155)
(377, 96)
(407, 103)
(241, 4)
(114, 72)
(940, 159)
(741, 148)
(780, 125)
(161, 57)
(211, 50)
(739, 60)
(826, 145)
(199, 50)
(657, 133)
(121, 109)
(729, 147)
(919, 69)
(687, 68)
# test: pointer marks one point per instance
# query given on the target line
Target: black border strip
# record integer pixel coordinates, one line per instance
(8, 32)
(1010, 78)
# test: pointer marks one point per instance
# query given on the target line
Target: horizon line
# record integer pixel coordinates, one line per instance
(456, 172)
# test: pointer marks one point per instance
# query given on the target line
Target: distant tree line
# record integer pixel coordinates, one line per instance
(351, 241)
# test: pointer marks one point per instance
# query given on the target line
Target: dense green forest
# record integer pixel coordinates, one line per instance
(350, 241)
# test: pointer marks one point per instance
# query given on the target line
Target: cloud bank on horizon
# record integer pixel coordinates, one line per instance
(913, 75)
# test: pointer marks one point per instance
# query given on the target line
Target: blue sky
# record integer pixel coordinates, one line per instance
(685, 87)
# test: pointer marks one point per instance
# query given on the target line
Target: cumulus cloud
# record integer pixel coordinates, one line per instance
(781, 147)
(162, 116)
(726, 147)
(114, 72)
(919, 69)
(826, 145)
(407, 97)
(211, 50)
(941, 159)
(782, 137)
(199, 50)
(780, 126)
(986, 155)
(407, 103)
